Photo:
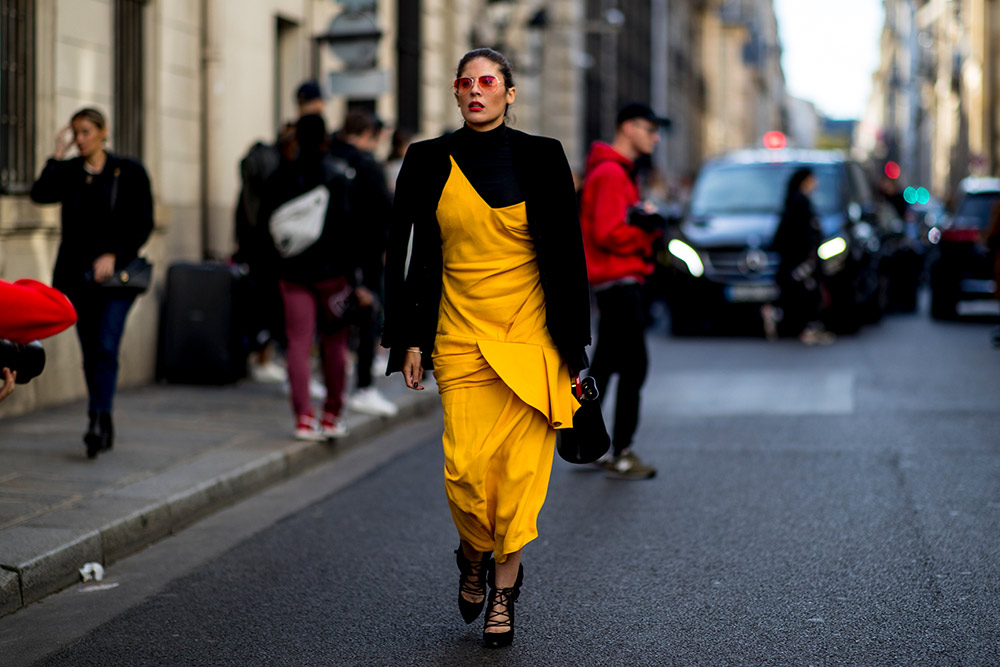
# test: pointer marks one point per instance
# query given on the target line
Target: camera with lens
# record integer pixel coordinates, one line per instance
(650, 216)
(27, 359)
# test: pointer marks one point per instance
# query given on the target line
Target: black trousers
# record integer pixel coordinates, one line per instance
(621, 350)
(100, 325)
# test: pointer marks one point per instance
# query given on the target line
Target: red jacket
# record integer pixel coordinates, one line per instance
(615, 249)
(30, 310)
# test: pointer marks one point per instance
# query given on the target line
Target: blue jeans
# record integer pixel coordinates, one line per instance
(100, 323)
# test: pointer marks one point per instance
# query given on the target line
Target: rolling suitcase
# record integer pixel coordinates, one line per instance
(202, 339)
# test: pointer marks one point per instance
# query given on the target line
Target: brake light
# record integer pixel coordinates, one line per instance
(961, 234)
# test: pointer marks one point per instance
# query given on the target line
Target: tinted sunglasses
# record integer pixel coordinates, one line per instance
(487, 82)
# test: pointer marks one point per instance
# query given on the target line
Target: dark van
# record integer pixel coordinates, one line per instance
(719, 259)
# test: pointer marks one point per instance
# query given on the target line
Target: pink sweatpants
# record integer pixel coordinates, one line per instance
(305, 307)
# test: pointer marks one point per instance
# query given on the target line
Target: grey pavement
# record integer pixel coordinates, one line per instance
(181, 453)
(852, 520)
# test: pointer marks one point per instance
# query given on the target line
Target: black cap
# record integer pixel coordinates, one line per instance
(639, 110)
(308, 92)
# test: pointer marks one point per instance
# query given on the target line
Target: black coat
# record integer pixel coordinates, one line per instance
(798, 236)
(93, 225)
(413, 299)
(371, 209)
(334, 254)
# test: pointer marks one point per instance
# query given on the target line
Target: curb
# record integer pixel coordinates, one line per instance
(132, 522)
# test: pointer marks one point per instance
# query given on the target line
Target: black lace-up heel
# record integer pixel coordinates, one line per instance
(472, 581)
(495, 618)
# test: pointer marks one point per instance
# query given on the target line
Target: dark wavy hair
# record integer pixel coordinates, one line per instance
(497, 58)
(796, 181)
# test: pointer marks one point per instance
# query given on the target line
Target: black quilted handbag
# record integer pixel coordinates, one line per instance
(588, 440)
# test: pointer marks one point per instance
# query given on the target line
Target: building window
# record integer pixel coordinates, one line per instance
(17, 95)
(129, 66)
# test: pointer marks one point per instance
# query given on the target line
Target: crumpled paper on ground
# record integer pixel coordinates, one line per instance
(93, 571)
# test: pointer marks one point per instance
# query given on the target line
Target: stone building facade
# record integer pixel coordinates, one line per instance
(189, 85)
(934, 104)
(745, 86)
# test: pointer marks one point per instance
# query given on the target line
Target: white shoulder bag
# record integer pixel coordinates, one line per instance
(298, 223)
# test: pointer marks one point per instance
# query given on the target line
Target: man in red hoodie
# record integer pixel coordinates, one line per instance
(619, 257)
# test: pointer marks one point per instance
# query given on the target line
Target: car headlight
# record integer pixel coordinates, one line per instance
(688, 255)
(832, 248)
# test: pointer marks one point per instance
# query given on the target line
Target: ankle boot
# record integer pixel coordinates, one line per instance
(92, 438)
(501, 619)
(473, 582)
(107, 430)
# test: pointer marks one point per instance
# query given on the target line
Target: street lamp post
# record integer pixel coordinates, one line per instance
(353, 36)
(614, 19)
(660, 73)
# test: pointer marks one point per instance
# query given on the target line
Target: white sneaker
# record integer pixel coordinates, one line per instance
(307, 428)
(268, 373)
(333, 426)
(317, 390)
(370, 401)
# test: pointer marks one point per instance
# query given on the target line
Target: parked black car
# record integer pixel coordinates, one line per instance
(718, 259)
(962, 281)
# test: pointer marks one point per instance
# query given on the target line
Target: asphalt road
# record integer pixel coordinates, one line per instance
(814, 506)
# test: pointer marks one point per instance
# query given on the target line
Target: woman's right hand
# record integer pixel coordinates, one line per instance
(64, 139)
(413, 370)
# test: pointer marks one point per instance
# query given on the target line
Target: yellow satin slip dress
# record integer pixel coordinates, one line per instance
(504, 387)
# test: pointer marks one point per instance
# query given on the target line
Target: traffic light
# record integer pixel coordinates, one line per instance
(892, 170)
(914, 195)
(774, 140)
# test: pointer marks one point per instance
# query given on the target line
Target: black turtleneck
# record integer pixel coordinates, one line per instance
(486, 160)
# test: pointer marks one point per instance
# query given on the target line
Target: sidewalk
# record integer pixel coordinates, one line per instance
(181, 452)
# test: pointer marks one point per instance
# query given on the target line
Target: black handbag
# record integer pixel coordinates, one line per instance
(131, 280)
(588, 440)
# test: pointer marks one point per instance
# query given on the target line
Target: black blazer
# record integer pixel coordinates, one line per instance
(412, 300)
(119, 220)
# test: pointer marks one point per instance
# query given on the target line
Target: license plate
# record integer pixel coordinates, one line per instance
(978, 307)
(758, 293)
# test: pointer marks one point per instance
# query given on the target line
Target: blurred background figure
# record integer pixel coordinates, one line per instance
(401, 140)
(310, 98)
(619, 259)
(255, 250)
(107, 215)
(369, 216)
(799, 278)
(315, 277)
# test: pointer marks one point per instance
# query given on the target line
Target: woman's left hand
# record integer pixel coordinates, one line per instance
(413, 370)
(104, 267)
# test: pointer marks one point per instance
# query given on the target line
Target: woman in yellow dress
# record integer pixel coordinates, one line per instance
(494, 298)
